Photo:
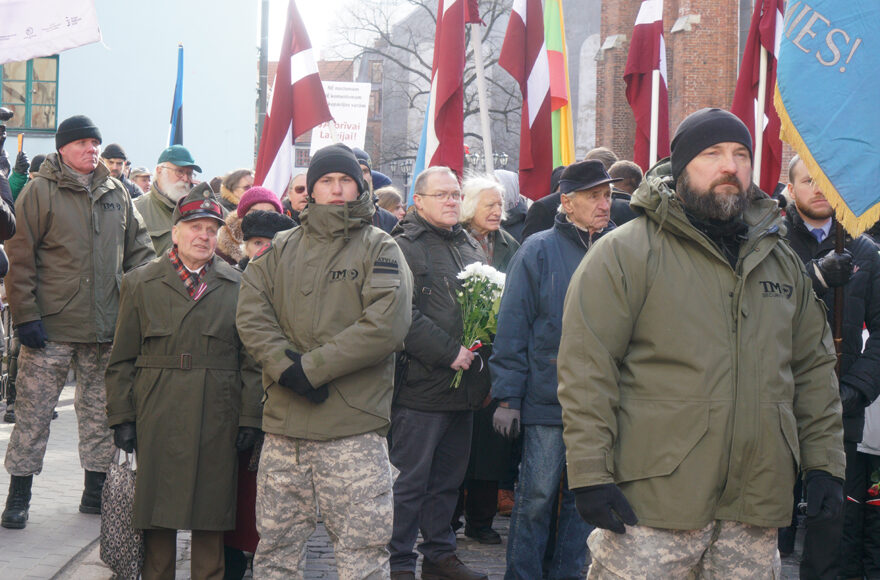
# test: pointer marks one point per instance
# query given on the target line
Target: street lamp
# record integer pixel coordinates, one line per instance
(402, 168)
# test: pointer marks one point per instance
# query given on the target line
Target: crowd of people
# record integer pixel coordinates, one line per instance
(658, 400)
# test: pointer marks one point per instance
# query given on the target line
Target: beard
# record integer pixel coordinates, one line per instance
(174, 191)
(814, 214)
(711, 204)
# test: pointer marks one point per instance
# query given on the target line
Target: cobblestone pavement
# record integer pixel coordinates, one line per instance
(59, 542)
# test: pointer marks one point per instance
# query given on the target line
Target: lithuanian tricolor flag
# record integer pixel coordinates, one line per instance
(560, 93)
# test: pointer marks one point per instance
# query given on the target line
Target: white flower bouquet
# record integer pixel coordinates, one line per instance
(479, 299)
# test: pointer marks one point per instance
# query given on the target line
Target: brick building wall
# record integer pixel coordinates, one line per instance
(702, 61)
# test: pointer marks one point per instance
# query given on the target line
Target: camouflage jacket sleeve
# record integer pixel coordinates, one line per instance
(816, 404)
(32, 213)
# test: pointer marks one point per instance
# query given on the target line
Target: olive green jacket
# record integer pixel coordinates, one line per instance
(699, 389)
(157, 210)
(179, 372)
(338, 291)
(70, 249)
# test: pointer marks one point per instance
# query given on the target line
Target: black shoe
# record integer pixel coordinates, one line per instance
(402, 575)
(91, 497)
(54, 415)
(483, 535)
(449, 568)
(17, 502)
(236, 563)
(9, 415)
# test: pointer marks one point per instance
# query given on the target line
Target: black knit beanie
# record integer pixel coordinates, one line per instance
(114, 151)
(703, 129)
(336, 158)
(264, 224)
(363, 157)
(76, 128)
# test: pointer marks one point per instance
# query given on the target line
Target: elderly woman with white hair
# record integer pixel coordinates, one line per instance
(482, 211)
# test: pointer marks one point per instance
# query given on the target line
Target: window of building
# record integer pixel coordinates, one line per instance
(375, 110)
(376, 71)
(30, 90)
(301, 157)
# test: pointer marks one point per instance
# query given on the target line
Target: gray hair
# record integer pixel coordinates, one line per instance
(472, 190)
(422, 179)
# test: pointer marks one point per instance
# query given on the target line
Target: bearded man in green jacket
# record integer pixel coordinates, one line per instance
(696, 373)
(323, 311)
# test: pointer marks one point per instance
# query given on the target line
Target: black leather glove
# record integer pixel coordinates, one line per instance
(125, 437)
(852, 399)
(834, 269)
(32, 334)
(824, 496)
(21, 163)
(604, 506)
(506, 421)
(4, 161)
(295, 379)
(247, 438)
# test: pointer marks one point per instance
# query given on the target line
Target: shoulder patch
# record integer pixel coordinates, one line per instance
(263, 250)
(386, 266)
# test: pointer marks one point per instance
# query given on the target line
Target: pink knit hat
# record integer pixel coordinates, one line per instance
(256, 195)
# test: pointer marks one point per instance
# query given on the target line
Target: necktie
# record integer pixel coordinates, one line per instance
(819, 234)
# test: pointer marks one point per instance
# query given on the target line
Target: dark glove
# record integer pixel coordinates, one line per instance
(295, 379)
(835, 269)
(32, 334)
(506, 421)
(247, 438)
(852, 399)
(604, 506)
(4, 161)
(21, 163)
(125, 437)
(824, 496)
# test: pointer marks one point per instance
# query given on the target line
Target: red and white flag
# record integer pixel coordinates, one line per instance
(298, 105)
(444, 139)
(765, 30)
(647, 53)
(524, 56)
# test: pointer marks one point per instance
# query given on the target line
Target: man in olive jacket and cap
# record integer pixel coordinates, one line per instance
(696, 373)
(174, 179)
(183, 392)
(323, 310)
(76, 233)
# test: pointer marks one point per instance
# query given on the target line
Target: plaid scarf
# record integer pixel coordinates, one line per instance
(192, 281)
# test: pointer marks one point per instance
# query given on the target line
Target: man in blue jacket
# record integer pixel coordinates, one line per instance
(523, 368)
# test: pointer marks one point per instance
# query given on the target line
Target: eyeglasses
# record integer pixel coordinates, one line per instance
(443, 196)
(299, 188)
(179, 172)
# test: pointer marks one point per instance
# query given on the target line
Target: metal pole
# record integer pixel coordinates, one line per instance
(477, 42)
(759, 117)
(264, 69)
(655, 116)
(839, 240)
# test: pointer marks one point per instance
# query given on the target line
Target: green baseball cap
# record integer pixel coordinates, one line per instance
(180, 156)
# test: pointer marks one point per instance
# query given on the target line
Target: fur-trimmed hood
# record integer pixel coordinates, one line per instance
(230, 241)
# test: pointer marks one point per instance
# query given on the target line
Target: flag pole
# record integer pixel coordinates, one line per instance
(655, 116)
(477, 43)
(759, 117)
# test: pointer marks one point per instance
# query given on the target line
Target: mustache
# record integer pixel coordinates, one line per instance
(727, 180)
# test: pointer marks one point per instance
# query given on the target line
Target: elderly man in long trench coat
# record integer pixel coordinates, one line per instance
(182, 389)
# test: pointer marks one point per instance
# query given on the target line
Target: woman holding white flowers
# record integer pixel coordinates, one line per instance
(482, 211)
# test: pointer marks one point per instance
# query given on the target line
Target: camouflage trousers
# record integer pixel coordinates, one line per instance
(41, 376)
(349, 480)
(720, 550)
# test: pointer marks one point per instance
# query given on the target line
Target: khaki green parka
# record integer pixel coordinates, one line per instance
(70, 249)
(156, 211)
(179, 372)
(338, 291)
(698, 388)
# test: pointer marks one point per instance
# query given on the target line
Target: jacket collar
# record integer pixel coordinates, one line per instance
(54, 169)
(414, 225)
(325, 222)
(656, 198)
(159, 200)
(570, 231)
